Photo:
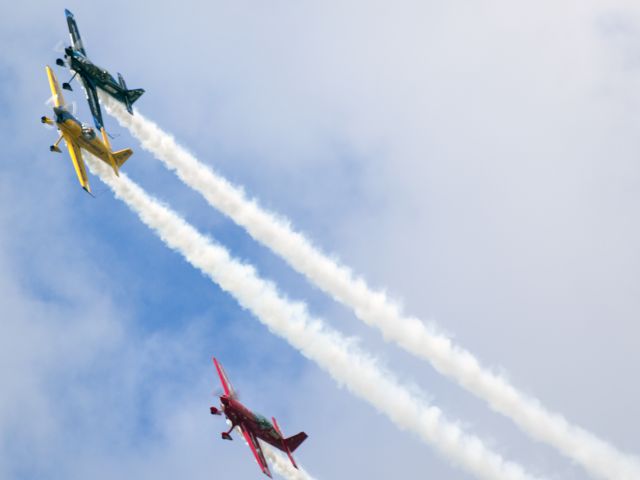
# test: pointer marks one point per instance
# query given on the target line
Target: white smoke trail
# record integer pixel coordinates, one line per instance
(331, 351)
(598, 457)
(282, 465)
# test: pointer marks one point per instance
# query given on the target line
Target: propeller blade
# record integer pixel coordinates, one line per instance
(59, 47)
(72, 107)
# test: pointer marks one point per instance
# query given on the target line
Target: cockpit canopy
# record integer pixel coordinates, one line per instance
(263, 422)
(88, 132)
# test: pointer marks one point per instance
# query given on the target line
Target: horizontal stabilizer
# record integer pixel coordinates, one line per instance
(130, 96)
(295, 441)
(134, 94)
(122, 156)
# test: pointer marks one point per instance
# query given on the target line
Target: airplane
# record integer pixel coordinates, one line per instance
(78, 136)
(252, 425)
(94, 77)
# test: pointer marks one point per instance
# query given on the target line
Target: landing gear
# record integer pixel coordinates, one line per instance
(67, 85)
(214, 411)
(226, 435)
(60, 62)
(54, 147)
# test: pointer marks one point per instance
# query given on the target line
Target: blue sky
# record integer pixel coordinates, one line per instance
(479, 162)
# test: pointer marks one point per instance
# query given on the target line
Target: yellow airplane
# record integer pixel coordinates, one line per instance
(78, 136)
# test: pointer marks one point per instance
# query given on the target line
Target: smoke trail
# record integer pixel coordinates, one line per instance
(336, 354)
(598, 457)
(282, 465)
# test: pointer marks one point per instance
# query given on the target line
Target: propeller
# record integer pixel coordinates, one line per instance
(218, 392)
(59, 47)
(71, 107)
(50, 103)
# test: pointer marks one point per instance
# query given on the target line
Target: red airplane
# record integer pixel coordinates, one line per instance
(252, 425)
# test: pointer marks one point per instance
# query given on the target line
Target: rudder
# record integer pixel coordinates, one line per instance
(129, 96)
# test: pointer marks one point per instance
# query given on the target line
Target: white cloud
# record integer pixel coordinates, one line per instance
(479, 161)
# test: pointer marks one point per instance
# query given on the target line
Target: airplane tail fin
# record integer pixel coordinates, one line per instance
(122, 156)
(130, 96)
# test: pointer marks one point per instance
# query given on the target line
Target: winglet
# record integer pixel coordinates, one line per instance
(112, 161)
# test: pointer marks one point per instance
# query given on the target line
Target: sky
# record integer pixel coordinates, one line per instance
(477, 161)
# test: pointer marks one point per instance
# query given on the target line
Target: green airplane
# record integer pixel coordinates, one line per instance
(94, 77)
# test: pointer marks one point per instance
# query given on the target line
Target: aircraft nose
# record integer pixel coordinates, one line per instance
(58, 111)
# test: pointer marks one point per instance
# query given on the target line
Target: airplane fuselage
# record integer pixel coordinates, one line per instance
(253, 427)
(97, 76)
(84, 136)
(238, 414)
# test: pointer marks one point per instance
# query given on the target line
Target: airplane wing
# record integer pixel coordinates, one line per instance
(74, 33)
(78, 163)
(94, 105)
(56, 92)
(226, 384)
(256, 449)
